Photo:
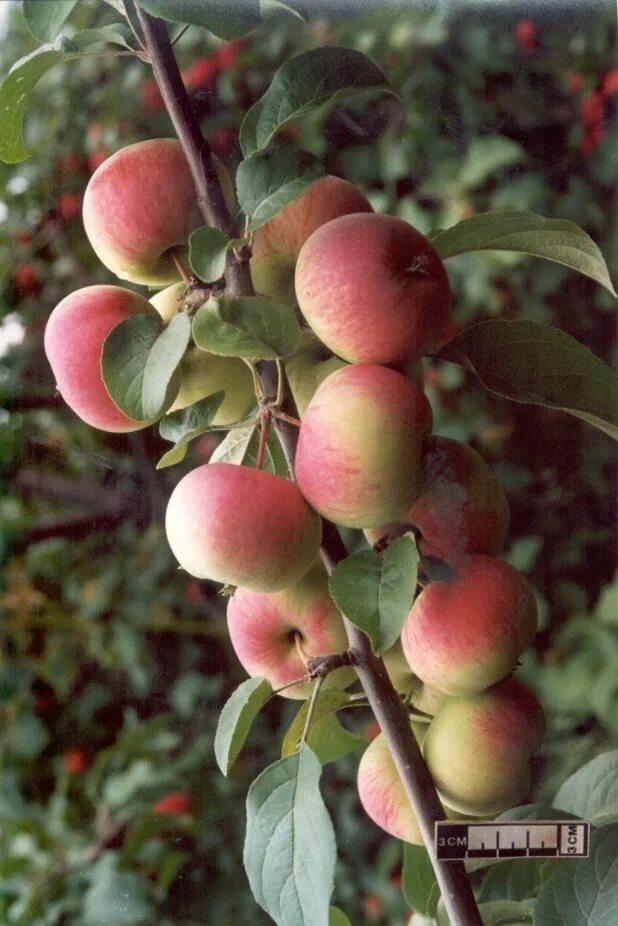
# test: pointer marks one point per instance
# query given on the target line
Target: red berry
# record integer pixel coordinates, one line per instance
(201, 74)
(227, 55)
(150, 97)
(223, 139)
(75, 761)
(174, 804)
(69, 205)
(575, 82)
(26, 280)
(526, 33)
(592, 108)
(610, 83)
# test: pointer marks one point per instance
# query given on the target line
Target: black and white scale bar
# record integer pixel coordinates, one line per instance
(521, 839)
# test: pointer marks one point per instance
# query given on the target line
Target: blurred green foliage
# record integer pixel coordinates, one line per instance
(109, 652)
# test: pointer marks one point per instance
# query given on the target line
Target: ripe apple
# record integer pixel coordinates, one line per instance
(462, 508)
(203, 373)
(140, 207)
(422, 697)
(277, 243)
(242, 526)
(264, 629)
(467, 632)
(478, 747)
(74, 337)
(359, 446)
(373, 289)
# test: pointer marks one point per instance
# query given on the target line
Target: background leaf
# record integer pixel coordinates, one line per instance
(269, 180)
(337, 917)
(289, 850)
(46, 17)
(303, 84)
(239, 712)
(251, 327)
(554, 239)
(529, 362)
(592, 792)
(376, 592)
(207, 253)
(185, 425)
(583, 891)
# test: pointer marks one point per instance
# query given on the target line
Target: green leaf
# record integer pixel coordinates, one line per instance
(227, 19)
(516, 879)
(112, 34)
(303, 84)
(239, 712)
(269, 180)
(15, 93)
(337, 917)
(126, 357)
(592, 791)
(506, 913)
(328, 739)
(240, 446)
(289, 852)
(583, 891)
(554, 239)
(185, 425)
(485, 157)
(376, 592)
(251, 327)
(418, 881)
(529, 362)
(207, 253)
(46, 17)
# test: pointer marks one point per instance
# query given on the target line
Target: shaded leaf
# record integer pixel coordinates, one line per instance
(376, 592)
(554, 239)
(592, 791)
(45, 18)
(185, 425)
(328, 739)
(250, 326)
(227, 20)
(207, 253)
(418, 881)
(269, 180)
(529, 362)
(162, 363)
(289, 852)
(239, 712)
(303, 84)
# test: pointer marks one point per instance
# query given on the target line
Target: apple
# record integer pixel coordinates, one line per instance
(421, 696)
(307, 368)
(359, 448)
(74, 336)
(277, 243)
(462, 509)
(373, 289)
(467, 632)
(264, 629)
(140, 206)
(478, 748)
(242, 526)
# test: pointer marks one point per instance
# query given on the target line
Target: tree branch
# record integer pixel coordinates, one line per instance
(383, 699)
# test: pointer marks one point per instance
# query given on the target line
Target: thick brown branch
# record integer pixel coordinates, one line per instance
(383, 699)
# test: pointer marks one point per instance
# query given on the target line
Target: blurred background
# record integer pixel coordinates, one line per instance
(114, 665)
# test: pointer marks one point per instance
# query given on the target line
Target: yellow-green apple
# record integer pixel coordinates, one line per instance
(140, 207)
(373, 289)
(307, 368)
(382, 794)
(359, 446)
(466, 632)
(478, 747)
(274, 634)
(462, 508)
(421, 696)
(242, 526)
(74, 336)
(277, 243)
(202, 373)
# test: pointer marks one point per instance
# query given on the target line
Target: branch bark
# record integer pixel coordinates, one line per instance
(390, 713)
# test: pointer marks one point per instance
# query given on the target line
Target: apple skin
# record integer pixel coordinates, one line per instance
(373, 289)
(422, 697)
(277, 243)
(202, 373)
(307, 368)
(359, 445)
(74, 336)
(465, 634)
(462, 509)
(262, 628)
(242, 526)
(478, 748)
(382, 794)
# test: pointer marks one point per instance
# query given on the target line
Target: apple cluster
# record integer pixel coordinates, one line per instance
(375, 298)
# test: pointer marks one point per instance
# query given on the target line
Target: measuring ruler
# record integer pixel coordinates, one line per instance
(536, 839)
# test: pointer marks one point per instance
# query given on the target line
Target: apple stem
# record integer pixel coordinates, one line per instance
(277, 413)
(265, 418)
(311, 709)
(185, 275)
